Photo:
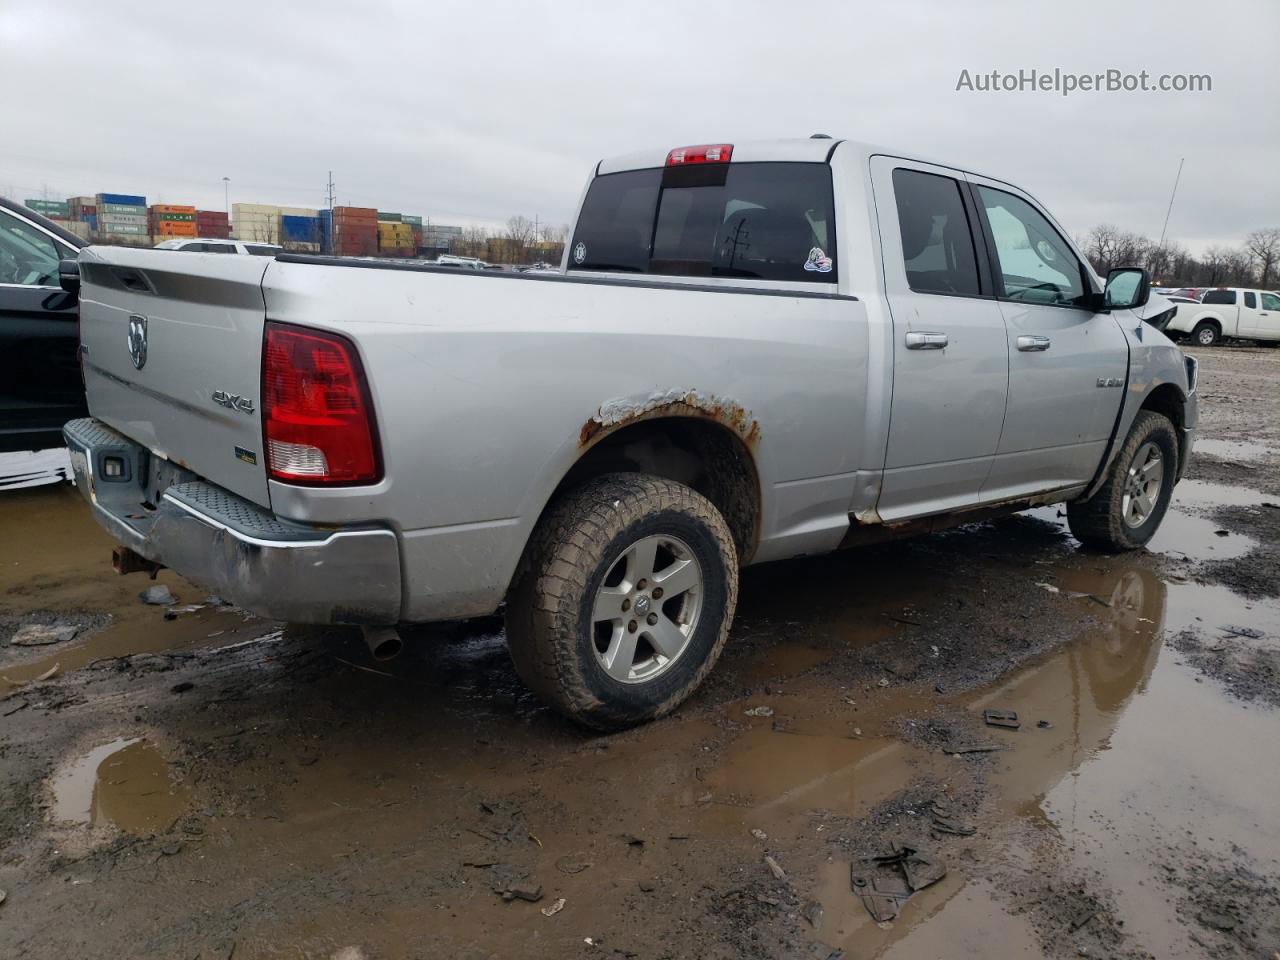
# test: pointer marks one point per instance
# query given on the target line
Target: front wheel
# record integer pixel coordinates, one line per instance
(1126, 512)
(624, 600)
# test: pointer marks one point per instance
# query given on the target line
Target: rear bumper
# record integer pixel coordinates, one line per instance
(273, 567)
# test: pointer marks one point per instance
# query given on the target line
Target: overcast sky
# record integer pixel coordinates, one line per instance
(471, 112)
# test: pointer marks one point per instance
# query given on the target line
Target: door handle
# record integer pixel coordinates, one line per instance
(926, 341)
(1034, 344)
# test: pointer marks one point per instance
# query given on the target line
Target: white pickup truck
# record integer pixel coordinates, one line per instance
(752, 352)
(1227, 313)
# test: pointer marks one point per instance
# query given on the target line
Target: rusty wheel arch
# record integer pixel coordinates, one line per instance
(704, 442)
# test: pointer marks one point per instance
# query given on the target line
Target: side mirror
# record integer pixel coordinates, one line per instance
(69, 276)
(1127, 289)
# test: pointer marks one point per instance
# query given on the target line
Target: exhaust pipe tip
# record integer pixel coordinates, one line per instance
(384, 643)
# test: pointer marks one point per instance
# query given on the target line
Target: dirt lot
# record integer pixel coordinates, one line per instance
(195, 782)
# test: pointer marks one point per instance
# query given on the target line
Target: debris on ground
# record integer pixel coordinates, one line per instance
(554, 908)
(572, 863)
(759, 834)
(43, 634)
(812, 912)
(1044, 725)
(1001, 718)
(944, 821)
(897, 873)
(759, 712)
(972, 748)
(530, 892)
(182, 687)
(158, 595)
(775, 868)
(48, 674)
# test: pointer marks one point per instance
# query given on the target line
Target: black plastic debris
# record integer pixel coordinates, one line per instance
(899, 872)
(1044, 725)
(1002, 718)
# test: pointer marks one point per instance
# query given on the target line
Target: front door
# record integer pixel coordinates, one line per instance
(951, 364)
(1067, 364)
(1268, 317)
(40, 385)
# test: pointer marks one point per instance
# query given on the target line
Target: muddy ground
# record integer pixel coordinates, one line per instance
(195, 782)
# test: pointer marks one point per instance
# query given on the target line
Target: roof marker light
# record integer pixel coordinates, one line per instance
(703, 153)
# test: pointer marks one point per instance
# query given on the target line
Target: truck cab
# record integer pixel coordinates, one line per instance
(1226, 313)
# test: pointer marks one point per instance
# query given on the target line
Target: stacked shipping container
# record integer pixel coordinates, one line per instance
(169, 220)
(49, 208)
(122, 217)
(212, 224)
(353, 232)
(396, 240)
(300, 233)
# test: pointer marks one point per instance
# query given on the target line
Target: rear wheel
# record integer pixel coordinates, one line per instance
(624, 601)
(1206, 334)
(1126, 512)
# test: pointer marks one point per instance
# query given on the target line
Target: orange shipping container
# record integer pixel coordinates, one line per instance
(175, 228)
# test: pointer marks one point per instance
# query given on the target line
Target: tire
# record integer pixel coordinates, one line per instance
(1206, 334)
(1115, 520)
(589, 551)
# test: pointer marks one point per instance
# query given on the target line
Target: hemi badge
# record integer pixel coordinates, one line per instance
(248, 456)
(1110, 382)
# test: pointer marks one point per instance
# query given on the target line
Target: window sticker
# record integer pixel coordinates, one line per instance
(579, 252)
(818, 261)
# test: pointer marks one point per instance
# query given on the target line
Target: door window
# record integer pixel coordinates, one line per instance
(937, 245)
(1036, 264)
(27, 256)
(1250, 300)
(1220, 298)
(1270, 301)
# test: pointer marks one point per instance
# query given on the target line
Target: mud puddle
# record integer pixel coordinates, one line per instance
(55, 567)
(126, 784)
(1232, 449)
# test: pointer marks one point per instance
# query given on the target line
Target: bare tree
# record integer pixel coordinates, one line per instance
(1263, 247)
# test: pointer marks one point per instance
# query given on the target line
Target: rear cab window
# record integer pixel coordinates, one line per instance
(749, 221)
(1220, 297)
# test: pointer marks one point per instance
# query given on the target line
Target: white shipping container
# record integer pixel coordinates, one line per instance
(78, 227)
(129, 219)
(250, 208)
(298, 211)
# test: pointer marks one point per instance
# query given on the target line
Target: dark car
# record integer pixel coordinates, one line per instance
(40, 384)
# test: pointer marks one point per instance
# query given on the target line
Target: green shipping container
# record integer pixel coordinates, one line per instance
(184, 217)
(121, 208)
(123, 230)
(388, 217)
(416, 221)
(50, 208)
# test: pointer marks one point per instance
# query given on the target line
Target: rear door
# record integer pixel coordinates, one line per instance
(951, 363)
(173, 357)
(1067, 364)
(40, 386)
(1249, 309)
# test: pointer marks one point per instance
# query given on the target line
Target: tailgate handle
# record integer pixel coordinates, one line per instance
(133, 280)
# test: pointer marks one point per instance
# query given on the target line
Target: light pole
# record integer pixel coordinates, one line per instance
(226, 196)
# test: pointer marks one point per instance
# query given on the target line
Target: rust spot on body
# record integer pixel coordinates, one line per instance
(689, 403)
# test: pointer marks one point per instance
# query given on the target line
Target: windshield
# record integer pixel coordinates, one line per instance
(759, 221)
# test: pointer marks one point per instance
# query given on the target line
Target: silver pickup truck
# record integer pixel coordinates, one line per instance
(752, 352)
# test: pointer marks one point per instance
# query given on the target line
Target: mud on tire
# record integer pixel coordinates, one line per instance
(553, 633)
(1100, 522)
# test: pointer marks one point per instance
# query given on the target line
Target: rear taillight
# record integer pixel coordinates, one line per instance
(705, 153)
(317, 419)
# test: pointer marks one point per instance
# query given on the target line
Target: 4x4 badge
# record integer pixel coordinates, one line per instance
(233, 400)
(138, 341)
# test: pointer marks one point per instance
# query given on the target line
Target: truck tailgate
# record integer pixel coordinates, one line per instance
(171, 348)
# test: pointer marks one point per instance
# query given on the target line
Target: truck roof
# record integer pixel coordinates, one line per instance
(792, 150)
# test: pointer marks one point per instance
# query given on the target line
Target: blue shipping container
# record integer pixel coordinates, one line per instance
(299, 229)
(123, 198)
(92, 220)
